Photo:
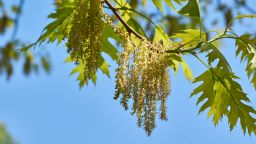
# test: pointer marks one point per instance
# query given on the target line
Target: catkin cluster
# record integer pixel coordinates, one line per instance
(84, 35)
(142, 75)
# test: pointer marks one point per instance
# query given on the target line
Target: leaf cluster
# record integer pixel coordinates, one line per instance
(9, 49)
(177, 23)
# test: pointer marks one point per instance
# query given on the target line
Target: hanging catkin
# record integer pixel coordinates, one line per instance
(142, 75)
(84, 36)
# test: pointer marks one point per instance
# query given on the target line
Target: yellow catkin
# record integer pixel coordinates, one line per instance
(142, 76)
(84, 36)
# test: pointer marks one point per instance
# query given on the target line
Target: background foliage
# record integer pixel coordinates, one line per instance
(226, 96)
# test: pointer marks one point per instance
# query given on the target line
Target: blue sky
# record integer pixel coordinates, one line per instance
(50, 109)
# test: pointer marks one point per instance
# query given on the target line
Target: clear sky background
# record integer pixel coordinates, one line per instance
(50, 109)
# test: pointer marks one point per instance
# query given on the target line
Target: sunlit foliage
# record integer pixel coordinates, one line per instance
(145, 55)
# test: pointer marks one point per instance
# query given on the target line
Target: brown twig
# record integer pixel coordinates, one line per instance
(128, 28)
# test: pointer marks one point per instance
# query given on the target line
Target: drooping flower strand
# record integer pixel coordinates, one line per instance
(154, 84)
(142, 75)
(121, 32)
(84, 35)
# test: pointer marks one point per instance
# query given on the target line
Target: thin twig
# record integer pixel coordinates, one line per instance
(17, 18)
(246, 7)
(142, 15)
(128, 28)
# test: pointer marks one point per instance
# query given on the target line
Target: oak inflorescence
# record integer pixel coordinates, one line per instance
(84, 35)
(142, 73)
(142, 77)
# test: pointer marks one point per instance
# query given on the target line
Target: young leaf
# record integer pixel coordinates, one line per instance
(104, 66)
(107, 46)
(80, 78)
(161, 35)
(190, 37)
(187, 71)
(224, 97)
(246, 47)
(136, 26)
(192, 9)
(55, 30)
(173, 61)
(215, 54)
(79, 69)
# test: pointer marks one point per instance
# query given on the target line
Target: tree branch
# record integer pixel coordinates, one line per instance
(17, 18)
(246, 7)
(128, 28)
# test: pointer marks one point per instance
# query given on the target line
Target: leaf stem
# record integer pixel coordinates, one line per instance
(198, 58)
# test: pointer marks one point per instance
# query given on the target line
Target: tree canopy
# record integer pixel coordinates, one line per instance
(147, 44)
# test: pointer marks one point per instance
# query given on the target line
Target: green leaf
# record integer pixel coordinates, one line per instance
(173, 61)
(192, 9)
(187, 71)
(126, 15)
(136, 26)
(214, 54)
(180, 1)
(161, 35)
(68, 59)
(1, 4)
(224, 97)
(46, 65)
(55, 30)
(80, 78)
(158, 4)
(104, 66)
(190, 38)
(79, 69)
(27, 66)
(170, 4)
(245, 47)
(107, 46)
